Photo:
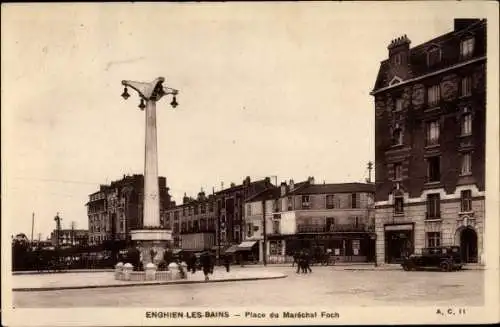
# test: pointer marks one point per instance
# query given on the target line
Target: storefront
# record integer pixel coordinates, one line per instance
(345, 247)
(399, 241)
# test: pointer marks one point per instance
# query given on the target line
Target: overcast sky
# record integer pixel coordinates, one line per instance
(265, 90)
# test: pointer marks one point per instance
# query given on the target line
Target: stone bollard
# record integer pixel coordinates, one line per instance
(150, 271)
(127, 270)
(174, 269)
(119, 271)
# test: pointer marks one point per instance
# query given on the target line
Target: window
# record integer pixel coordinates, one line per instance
(466, 199)
(183, 227)
(433, 206)
(195, 209)
(249, 230)
(398, 205)
(195, 226)
(399, 104)
(433, 239)
(184, 211)
(397, 137)
(276, 226)
(121, 226)
(237, 236)
(466, 86)
(305, 202)
(433, 56)
(433, 95)
(398, 58)
(356, 221)
(249, 209)
(276, 206)
(176, 215)
(466, 163)
(190, 226)
(203, 208)
(432, 133)
(467, 48)
(466, 124)
(330, 224)
(433, 169)
(290, 203)
(354, 201)
(210, 206)
(398, 171)
(330, 204)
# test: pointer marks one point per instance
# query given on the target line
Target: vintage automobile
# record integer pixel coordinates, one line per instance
(444, 258)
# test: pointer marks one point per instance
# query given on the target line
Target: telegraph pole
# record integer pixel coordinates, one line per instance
(32, 226)
(264, 231)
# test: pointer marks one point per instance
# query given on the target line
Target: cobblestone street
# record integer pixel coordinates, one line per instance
(325, 286)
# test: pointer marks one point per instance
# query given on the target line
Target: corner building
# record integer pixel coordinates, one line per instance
(430, 115)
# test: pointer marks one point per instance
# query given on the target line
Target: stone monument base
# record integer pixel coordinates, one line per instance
(152, 244)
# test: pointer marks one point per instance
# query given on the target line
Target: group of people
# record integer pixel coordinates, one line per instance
(206, 263)
(303, 260)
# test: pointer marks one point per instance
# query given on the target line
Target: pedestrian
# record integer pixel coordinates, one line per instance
(206, 264)
(295, 258)
(227, 262)
(192, 263)
(300, 261)
(307, 261)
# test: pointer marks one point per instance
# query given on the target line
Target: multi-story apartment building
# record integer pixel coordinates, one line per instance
(306, 215)
(430, 115)
(116, 208)
(229, 210)
(193, 222)
(70, 237)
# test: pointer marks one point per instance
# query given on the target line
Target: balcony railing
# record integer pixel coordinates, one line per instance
(323, 228)
(433, 215)
(198, 230)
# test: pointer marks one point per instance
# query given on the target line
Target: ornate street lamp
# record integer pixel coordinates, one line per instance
(151, 238)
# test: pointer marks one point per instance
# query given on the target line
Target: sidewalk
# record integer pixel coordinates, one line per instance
(100, 279)
(356, 266)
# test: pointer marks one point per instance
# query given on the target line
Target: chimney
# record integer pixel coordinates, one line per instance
(185, 199)
(201, 195)
(310, 180)
(463, 23)
(292, 185)
(399, 45)
(283, 189)
(232, 184)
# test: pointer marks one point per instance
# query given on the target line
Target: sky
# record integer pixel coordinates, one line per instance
(265, 90)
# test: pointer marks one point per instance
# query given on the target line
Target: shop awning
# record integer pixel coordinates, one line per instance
(231, 249)
(246, 246)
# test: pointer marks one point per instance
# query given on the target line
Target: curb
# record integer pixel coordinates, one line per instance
(31, 272)
(42, 289)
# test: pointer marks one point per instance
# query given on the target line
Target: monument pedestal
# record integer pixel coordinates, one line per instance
(152, 244)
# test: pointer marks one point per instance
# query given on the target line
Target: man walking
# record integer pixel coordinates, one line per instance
(206, 264)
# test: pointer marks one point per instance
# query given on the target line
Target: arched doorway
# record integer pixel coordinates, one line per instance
(468, 245)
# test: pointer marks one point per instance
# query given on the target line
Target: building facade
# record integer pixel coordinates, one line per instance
(69, 237)
(193, 222)
(230, 210)
(430, 110)
(116, 209)
(339, 217)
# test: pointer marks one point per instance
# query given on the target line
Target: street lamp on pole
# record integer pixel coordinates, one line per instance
(152, 238)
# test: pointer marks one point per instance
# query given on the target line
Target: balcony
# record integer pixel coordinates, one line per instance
(323, 228)
(432, 215)
(198, 230)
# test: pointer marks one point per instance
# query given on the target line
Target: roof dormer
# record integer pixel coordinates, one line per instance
(433, 55)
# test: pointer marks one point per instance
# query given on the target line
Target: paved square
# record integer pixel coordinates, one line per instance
(325, 286)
